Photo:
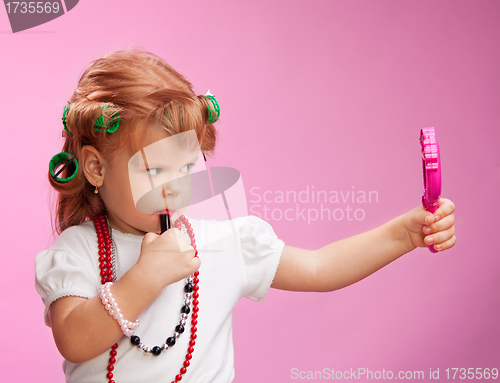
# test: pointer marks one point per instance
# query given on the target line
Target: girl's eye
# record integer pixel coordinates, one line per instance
(186, 168)
(153, 171)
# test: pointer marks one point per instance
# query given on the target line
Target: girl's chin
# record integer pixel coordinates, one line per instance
(174, 214)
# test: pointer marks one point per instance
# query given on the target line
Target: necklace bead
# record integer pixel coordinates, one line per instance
(170, 341)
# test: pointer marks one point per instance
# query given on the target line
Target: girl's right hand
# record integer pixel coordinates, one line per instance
(167, 258)
(164, 259)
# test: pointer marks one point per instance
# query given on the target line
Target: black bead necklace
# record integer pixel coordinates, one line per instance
(179, 329)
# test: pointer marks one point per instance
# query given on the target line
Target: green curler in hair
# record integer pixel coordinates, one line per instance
(111, 126)
(211, 117)
(70, 163)
(65, 115)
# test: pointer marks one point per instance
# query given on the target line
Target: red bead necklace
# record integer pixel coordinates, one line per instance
(108, 274)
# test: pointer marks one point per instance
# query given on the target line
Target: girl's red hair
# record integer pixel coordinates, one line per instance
(145, 91)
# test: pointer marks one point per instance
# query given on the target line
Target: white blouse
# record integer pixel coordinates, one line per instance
(239, 258)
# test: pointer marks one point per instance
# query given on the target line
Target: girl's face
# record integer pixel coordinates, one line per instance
(138, 187)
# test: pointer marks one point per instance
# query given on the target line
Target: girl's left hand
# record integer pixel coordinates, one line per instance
(436, 229)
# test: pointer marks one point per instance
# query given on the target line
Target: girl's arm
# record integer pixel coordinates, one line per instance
(347, 261)
(83, 329)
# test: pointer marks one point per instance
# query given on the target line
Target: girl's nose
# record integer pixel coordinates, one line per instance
(172, 188)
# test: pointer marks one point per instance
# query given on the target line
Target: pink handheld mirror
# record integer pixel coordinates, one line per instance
(431, 166)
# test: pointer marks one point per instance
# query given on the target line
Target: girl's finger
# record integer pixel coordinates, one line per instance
(446, 207)
(149, 237)
(443, 224)
(446, 244)
(440, 237)
(185, 243)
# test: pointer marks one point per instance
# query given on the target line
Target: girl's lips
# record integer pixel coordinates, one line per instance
(165, 211)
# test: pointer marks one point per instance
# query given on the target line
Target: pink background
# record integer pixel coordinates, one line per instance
(330, 94)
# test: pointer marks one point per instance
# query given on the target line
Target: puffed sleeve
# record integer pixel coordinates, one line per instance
(261, 251)
(65, 270)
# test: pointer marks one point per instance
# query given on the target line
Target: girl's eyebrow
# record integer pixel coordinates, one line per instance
(135, 159)
(194, 157)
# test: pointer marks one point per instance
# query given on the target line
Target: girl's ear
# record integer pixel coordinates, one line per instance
(93, 165)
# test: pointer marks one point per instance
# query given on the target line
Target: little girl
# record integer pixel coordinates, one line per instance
(129, 301)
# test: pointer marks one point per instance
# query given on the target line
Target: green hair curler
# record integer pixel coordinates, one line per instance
(211, 117)
(111, 126)
(65, 115)
(70, 163)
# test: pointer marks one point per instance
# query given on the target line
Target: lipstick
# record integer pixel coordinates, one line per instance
(164, 222)
(164, 217)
